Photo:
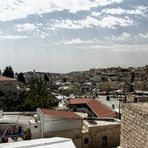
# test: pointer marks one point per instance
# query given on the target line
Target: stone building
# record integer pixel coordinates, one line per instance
(86, 132)
(101, 133)
(137, 98)
(134, 125)
(7, 84)
(52, 123)
(141, 85)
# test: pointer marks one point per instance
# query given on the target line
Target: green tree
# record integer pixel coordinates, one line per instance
(21, 77)
(12, 102)
(8, 72)
(39, 95)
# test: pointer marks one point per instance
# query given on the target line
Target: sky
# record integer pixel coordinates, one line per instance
(71, 35)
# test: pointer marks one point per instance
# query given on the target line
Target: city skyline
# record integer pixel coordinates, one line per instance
(65, 36)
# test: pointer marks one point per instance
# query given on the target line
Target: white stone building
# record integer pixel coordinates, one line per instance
(52, 123)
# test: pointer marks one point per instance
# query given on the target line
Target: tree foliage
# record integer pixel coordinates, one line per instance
(46, 78)
(12, 102)
(8, 72)
(39, 95)
(21, 77)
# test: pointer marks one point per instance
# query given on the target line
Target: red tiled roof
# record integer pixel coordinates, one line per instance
(65, 114)
(80, 101)
(3, 78)
(101, 110)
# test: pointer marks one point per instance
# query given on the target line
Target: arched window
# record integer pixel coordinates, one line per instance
(104, 141)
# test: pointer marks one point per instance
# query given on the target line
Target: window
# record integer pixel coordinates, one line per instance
(86, 140)
(104, 141)
(135, 100)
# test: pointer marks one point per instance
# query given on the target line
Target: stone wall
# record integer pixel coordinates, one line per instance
(94, 136)
(112, 132)
(134, 125)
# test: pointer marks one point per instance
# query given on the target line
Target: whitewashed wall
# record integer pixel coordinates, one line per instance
(52, 124)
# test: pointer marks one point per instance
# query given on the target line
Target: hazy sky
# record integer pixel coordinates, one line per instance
(68, 35)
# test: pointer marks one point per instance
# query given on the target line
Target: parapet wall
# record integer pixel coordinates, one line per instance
(74, 134)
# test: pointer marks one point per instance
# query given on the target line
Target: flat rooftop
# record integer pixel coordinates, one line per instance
(102, 98)
(55, 142)
(14, 119)
(92, 123)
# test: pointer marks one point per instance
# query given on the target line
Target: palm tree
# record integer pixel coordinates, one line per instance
(39, 95)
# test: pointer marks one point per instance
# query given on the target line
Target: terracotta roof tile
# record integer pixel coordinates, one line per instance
(79, 101)
(101, 110)
(64, 114)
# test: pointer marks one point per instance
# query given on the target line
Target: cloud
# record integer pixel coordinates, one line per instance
(103, 41)
(139, 10)
(130, 48)
(117, 47)
(77, 41)
(73, 41)
(25, 27)
(96, 14)
(144, 36)
(40, 34)
(17, 9)
(89, 22)
(113, 22)
(122, 37)
(65, 24)
(13, 37)
(38, 30)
